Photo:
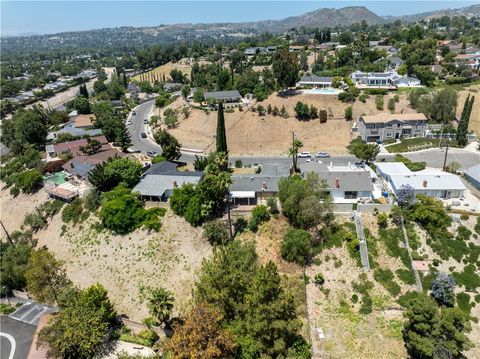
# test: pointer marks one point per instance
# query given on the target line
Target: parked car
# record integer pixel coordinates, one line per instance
(151, 153)
(360, 164)
(304, 154)
(143, 135)
(129, 122)
(134, 113)
(322, 155)
(145, 121)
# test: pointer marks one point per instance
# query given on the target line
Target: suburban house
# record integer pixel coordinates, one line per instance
(253, 189)
(394, 61)
(228, 98)
(433, 183)
(158, 183)
(172, 86)
(346, 184)
(55, 150)
(84, 121)
(251, 51)
(472, 174)
(72, 129)
(389, 80)
(470, 60)
(314, 81)
(81, 164)
(386, 126)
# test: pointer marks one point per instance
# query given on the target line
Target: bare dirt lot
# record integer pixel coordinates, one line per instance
(251, 134)
(125, 265)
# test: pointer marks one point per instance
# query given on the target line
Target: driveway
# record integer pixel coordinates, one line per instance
(15, 338)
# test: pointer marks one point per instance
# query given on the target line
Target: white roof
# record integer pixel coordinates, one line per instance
(242, 194)
(392, 168)
(474, 172)
(428, 181)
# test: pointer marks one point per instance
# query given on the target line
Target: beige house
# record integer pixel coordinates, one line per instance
(386, 126)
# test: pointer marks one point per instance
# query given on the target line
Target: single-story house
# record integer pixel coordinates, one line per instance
(172, 86)
(385, 80)
(55, 150)
(81, 165)
(395, 61)
(433, 183)
(345, 184)
(71, 129)
(84, 121)
(384, 126)
(309, 81)
(472, 174)
(161, 179)
(252, 189)
(228, 98)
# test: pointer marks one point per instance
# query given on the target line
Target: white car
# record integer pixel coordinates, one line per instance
(304, 154)
(129, 122)
(322, 155)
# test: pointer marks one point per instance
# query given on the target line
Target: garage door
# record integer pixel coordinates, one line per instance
(372, 138)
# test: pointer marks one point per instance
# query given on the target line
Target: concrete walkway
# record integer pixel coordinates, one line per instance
(418, 282)
(363, 241)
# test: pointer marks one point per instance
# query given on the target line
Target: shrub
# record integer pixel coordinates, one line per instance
(346, 96)
(463, 302)
(158, 159)
(385, 277)
(240, 225)
(348, 113)
(238, 164)
(406, 276)
(363, 97)
(366, 307)
(391, 105)
(319, 280)
(6, 309)
(28, 181)
(272, 205)
(382, 220)
(354, 298)
(72, 211)
(260, 213)
(379, 103)
(92, 200)
(443, 288)
(35, 221)
(296, 246)
(216, 232)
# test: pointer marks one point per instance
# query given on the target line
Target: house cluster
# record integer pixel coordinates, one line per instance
(251, 51)
(387, 126)
(78, 125)
(429, 182)
(390, 80)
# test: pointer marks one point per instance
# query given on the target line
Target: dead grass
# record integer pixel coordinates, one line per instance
(251, 134)
(160, 71)
(473, 90)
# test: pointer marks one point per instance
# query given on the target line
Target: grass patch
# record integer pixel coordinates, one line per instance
(405, 299)
(406, 276)
(413, 144)
(386, 278)
(463, 302)
(469, 278)
(392, 238)
(427, 279)
(412, 166)
(6, 308)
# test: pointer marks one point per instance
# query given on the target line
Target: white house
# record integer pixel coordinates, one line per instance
(383, 80)
(315, 81)
(433, 183)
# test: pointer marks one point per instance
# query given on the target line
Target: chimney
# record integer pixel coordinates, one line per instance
(174, 184)
(424, 183)
(264, 186)
(337, 183)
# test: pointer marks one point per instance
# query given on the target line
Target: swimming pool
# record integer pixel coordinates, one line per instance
(322, 91)
(57, 178)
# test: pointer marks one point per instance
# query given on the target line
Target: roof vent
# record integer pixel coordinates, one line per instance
(337, 183)
(425, 183)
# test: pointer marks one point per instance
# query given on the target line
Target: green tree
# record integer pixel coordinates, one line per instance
(83, 90)
(296, 246)
(123, 138)
(462, 129)
(122, 211)
(82, 105)
(293, 152)
(198, 96)
(123, 171)
(216, 232)
(160, 305)
(14, 259)
(45, 276)
(221, 137)
(306, 201)
(285, 68)
(348, 113)
(92, 147)
(25, 128)
(391, 105)
(429, 331)
(364, 151)
(81, 326)
(444, 103)
(170, 145)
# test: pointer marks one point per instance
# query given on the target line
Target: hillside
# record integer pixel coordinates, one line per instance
(468, 11)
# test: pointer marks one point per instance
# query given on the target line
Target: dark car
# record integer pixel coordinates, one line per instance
(145, 121)
(143, 135)
(151, 153)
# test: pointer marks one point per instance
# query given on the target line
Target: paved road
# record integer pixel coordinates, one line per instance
(15, 335)
(434, 157)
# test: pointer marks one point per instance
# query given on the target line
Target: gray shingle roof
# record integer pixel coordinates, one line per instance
(256, 183)
(157, 185)
(223, 95)
(315, 79)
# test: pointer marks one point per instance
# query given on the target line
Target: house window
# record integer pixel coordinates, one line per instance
(389, 125)
(351, 194)
(374, 125)
(398, 125)
(389, 134)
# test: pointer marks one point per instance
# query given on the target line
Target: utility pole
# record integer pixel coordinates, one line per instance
(294, 155)
(445, 160)
(8, 235)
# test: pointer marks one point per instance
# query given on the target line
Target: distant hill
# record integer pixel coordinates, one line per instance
(469, 11)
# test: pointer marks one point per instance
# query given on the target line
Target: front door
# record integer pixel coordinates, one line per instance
(397, 136)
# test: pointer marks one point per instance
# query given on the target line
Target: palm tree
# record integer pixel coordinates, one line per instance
(293, 151)
(160, 305)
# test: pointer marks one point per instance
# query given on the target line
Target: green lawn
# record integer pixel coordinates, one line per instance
(412, 144)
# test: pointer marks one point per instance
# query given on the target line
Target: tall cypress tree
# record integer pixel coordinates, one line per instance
(83, 90)
(462, 129)
(123, 137)
(221, 134)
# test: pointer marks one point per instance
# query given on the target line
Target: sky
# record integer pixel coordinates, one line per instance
(46, 17)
